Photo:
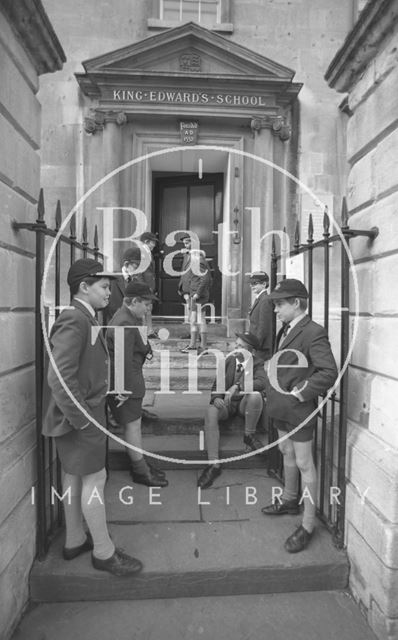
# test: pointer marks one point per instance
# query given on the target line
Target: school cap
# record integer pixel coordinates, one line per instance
(139, 290)
(289, 288)
(249, 338)
(86, 268)
(147, 235)
(133, 254)
(258, 276)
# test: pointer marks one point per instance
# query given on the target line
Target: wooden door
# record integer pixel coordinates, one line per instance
(187, 202)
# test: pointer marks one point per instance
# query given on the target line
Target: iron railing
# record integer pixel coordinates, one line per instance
(330, 436)
(331, 432)
(49, 510)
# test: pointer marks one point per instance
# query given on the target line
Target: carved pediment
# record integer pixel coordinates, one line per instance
(187, 70)
(189, 49)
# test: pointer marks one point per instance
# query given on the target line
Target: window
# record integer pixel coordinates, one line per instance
(213, 14)
(206, 12)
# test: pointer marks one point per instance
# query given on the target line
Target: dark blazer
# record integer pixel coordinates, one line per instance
(260, 317)
(191, 283)
(148, 276)
(259, 378)
(118, 292)
(135, 351)
(310, 339)
(83, 367)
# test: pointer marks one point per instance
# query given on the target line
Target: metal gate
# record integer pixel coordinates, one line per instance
(330, 437)
(331, 432)
(49, 509)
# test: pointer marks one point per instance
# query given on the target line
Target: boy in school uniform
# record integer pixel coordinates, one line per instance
(302, 368)
(195, 290)
(235, 401)
(81, 359)
(129, 264)
(127, 408)
(261, 314)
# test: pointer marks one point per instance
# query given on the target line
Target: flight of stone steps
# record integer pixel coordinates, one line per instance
(215, 543)
(175, 433)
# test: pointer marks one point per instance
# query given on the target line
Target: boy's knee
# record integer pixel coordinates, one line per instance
(254, 400)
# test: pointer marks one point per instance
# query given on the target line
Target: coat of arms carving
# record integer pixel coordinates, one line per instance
(190, 62)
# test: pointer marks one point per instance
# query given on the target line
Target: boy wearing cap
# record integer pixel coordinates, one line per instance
(261, 314)
(80, 357)
(302, 368)
(130, 262)
(148, 277)
(225, 405)
(127, 408)
(196, 291)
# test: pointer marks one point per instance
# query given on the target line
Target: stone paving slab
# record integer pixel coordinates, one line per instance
(220, 556)
(178, 450)
(290, 616)
(175, 506)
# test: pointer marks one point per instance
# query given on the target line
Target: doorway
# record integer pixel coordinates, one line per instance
(185, 201)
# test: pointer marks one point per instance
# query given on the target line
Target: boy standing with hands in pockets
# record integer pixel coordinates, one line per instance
(80, 381)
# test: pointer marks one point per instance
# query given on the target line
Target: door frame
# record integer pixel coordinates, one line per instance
(175, 178)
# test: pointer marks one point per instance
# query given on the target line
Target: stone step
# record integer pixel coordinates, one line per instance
(178, 378)
(169, 426)
(194, 546)
(279, 616)
(180, 360)
(178, 329)
(182, 451)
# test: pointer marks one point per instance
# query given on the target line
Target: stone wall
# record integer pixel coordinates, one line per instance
(302, 35)
(19, 188)
(369, 72)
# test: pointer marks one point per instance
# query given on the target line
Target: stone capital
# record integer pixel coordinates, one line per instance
(97, 119)
(277, 124)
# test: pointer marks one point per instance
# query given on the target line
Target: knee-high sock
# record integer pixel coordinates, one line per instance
(203, 339)
(75, 534)
(194, 335)
(133, 435)
(290, 468)
(309, 483)
(212, 433)
(93, 507)
(253, 409)
(305, 463)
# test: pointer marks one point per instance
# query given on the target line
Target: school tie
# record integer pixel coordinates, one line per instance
(286, 328)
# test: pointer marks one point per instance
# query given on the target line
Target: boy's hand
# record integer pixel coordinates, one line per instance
(122, 399)
(229, 395)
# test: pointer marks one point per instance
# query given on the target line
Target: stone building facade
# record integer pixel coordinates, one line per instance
(28, 49)
(366, 69)
(261, 65)
(250, 76)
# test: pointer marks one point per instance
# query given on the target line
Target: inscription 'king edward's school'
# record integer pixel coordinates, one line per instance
(187, 97)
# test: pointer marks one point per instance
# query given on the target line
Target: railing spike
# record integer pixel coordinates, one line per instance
(96, 237)
(310, 229)
(72, 228)
(58, 215)
(297, 236)
(344, 213)
(326, 221)
(84, 233)
(40, 208)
